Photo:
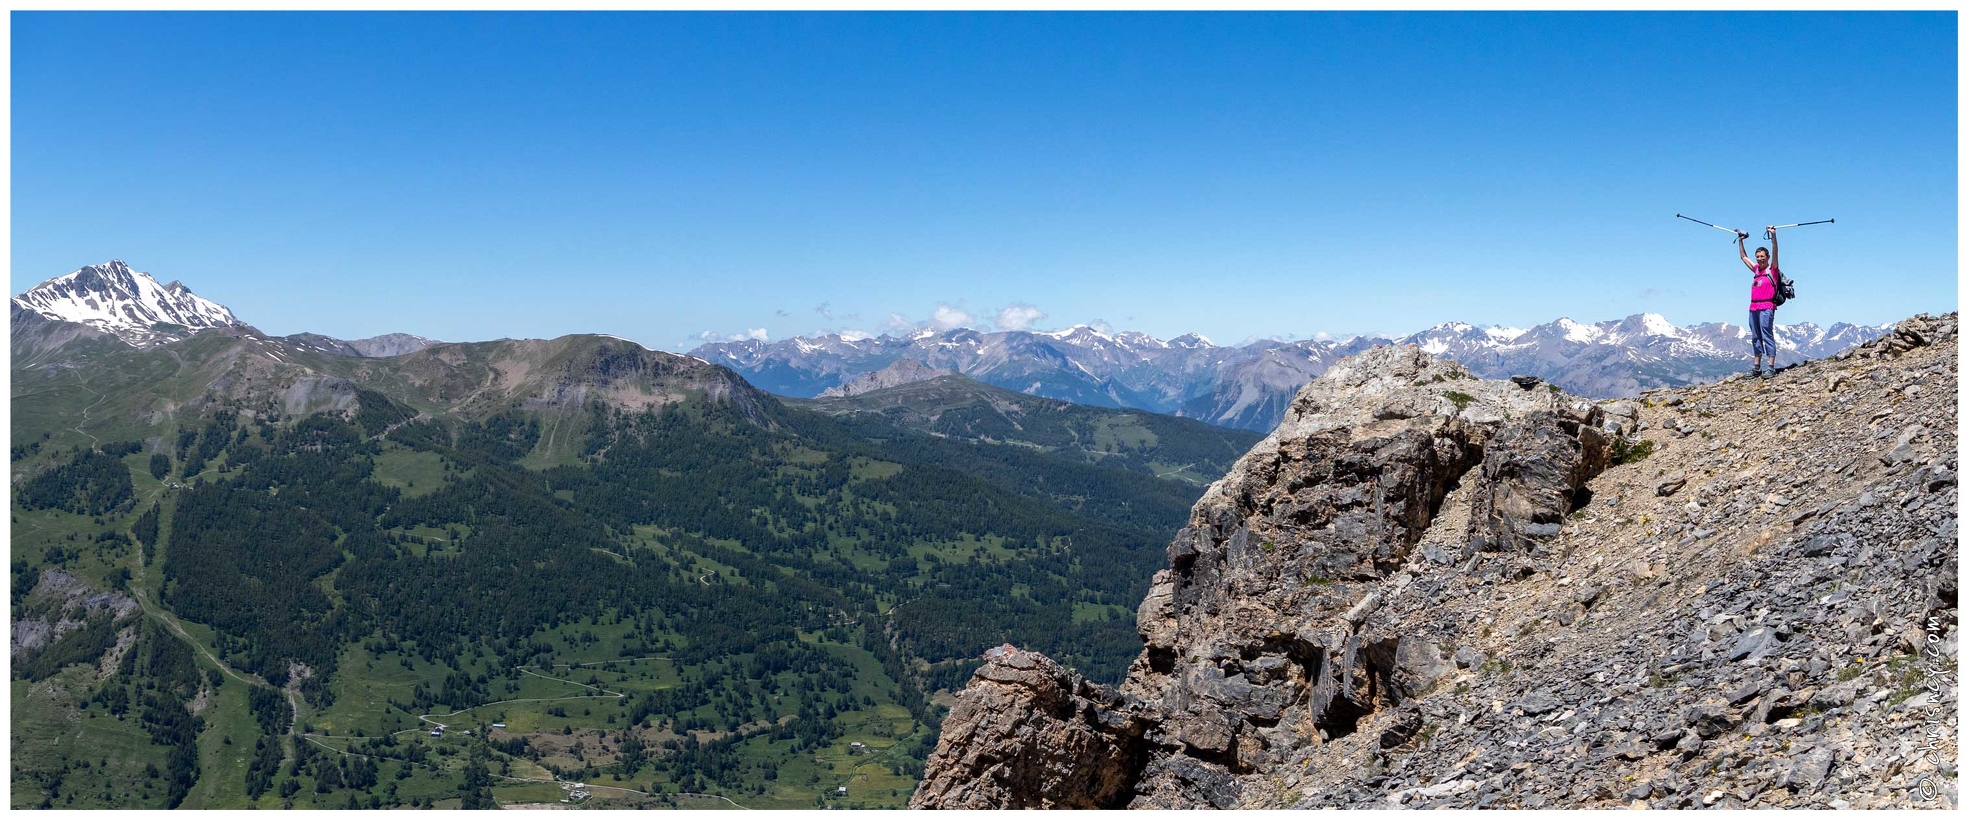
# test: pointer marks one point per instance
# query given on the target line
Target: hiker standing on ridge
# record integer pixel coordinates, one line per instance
(1763, 313)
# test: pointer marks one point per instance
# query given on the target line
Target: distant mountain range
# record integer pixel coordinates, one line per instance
(1248, 386)
(1243, 386)
(121, 322)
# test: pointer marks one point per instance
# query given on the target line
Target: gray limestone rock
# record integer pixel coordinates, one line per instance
(1034, 720)
(1539, 703)
(1754, 644)
(1807, 771)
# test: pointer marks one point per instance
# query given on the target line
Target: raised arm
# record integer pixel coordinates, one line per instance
(1774, 248)
(1742, 254)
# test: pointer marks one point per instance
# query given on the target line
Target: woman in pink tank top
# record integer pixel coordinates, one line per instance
(1763, 314)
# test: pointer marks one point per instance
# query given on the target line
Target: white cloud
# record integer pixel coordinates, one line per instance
(856, 336)
(758, 334)
(1018, 316)
(1102, 326)
(896, 322)
(946, 317)
(824, 310)
(1323, 336)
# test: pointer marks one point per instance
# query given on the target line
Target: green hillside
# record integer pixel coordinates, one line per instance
(664, 584)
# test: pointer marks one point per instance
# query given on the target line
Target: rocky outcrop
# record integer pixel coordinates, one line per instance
(1033, 735)
(1531, 478)
(1428, 590)
(1261, 637)
(58, 604)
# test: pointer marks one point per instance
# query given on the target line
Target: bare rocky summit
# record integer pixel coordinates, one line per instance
(903, 372)
(385, 345)
(1427, 590)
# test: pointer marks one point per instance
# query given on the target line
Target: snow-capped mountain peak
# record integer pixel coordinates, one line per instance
(1578, 332)
(1078, 333)
(1503, 335)
(1659, 325)
(125, 303)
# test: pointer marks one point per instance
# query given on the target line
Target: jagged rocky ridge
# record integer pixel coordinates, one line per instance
(1426, 590)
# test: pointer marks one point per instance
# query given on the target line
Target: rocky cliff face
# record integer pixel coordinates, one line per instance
(1426, 589)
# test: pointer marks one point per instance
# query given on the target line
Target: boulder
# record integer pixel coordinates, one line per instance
(1029, 734)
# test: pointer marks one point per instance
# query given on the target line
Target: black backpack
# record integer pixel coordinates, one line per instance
(1783, 290)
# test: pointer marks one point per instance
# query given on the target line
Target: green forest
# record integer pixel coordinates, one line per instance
(696, 604)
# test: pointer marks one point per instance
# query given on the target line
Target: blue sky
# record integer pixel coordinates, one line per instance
(659, 176)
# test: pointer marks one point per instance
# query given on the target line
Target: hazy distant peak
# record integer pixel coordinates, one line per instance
(902, 372)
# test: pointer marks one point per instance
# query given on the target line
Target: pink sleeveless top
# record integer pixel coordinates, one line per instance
(1762, 287)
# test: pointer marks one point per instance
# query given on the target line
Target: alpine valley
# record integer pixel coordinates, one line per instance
(252, 571)
(256, 571)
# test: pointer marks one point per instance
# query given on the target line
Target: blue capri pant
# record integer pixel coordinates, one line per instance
(1763, 337)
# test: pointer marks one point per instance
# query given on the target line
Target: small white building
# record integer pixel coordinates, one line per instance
(499, 726)
(840, 790)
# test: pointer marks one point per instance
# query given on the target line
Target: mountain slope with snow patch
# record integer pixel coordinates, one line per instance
(129, 305)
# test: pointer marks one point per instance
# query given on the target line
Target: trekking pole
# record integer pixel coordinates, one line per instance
(1731, 231)
(1771, 233)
